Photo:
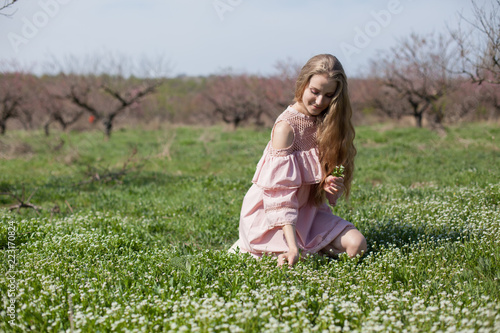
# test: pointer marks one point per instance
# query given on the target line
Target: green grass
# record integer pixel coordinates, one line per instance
(147, 251)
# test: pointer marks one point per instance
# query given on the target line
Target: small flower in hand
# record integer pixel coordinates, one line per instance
(338, 171)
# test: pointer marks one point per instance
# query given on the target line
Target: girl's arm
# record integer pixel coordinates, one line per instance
(292, 256)
(282, 138)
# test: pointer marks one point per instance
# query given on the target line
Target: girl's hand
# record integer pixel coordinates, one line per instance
(334, 188)
(292, 257)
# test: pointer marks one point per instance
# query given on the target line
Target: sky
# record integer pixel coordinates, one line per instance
(203, 37)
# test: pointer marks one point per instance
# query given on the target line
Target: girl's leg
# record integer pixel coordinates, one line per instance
(350, 241)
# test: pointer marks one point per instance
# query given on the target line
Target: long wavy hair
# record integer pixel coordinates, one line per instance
(336, 133)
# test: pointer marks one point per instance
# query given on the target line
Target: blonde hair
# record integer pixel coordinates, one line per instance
(336, 133)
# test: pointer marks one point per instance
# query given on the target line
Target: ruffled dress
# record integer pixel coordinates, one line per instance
(280, 195)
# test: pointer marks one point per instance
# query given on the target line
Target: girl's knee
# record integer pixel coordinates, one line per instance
(356, 244)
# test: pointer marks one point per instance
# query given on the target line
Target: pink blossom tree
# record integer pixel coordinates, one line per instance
(109, 87)
(16, 100)
(416, 72)
(477, 41)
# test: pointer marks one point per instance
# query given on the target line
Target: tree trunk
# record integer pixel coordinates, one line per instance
(236, 123)
(46, 128)
(418, 119)
(108, 127)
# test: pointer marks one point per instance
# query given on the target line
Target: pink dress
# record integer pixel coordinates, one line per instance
(280, 196)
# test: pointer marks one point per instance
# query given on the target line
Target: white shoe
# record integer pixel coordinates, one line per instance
(235, 248)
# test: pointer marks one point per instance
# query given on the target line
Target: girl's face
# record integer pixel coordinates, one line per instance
(317, 95)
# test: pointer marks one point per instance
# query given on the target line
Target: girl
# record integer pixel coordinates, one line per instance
(285, 210)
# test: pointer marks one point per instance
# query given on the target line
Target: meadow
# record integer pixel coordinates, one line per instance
(132, 234)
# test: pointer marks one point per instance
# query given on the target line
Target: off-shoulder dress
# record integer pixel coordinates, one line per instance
(280, 195)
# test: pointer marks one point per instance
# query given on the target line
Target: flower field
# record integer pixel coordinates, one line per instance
(132, 236)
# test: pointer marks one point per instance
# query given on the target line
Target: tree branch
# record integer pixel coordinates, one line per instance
(21, 202)
(7, 3)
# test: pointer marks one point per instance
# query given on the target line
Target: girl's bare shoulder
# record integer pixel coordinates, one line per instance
(283, 135)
